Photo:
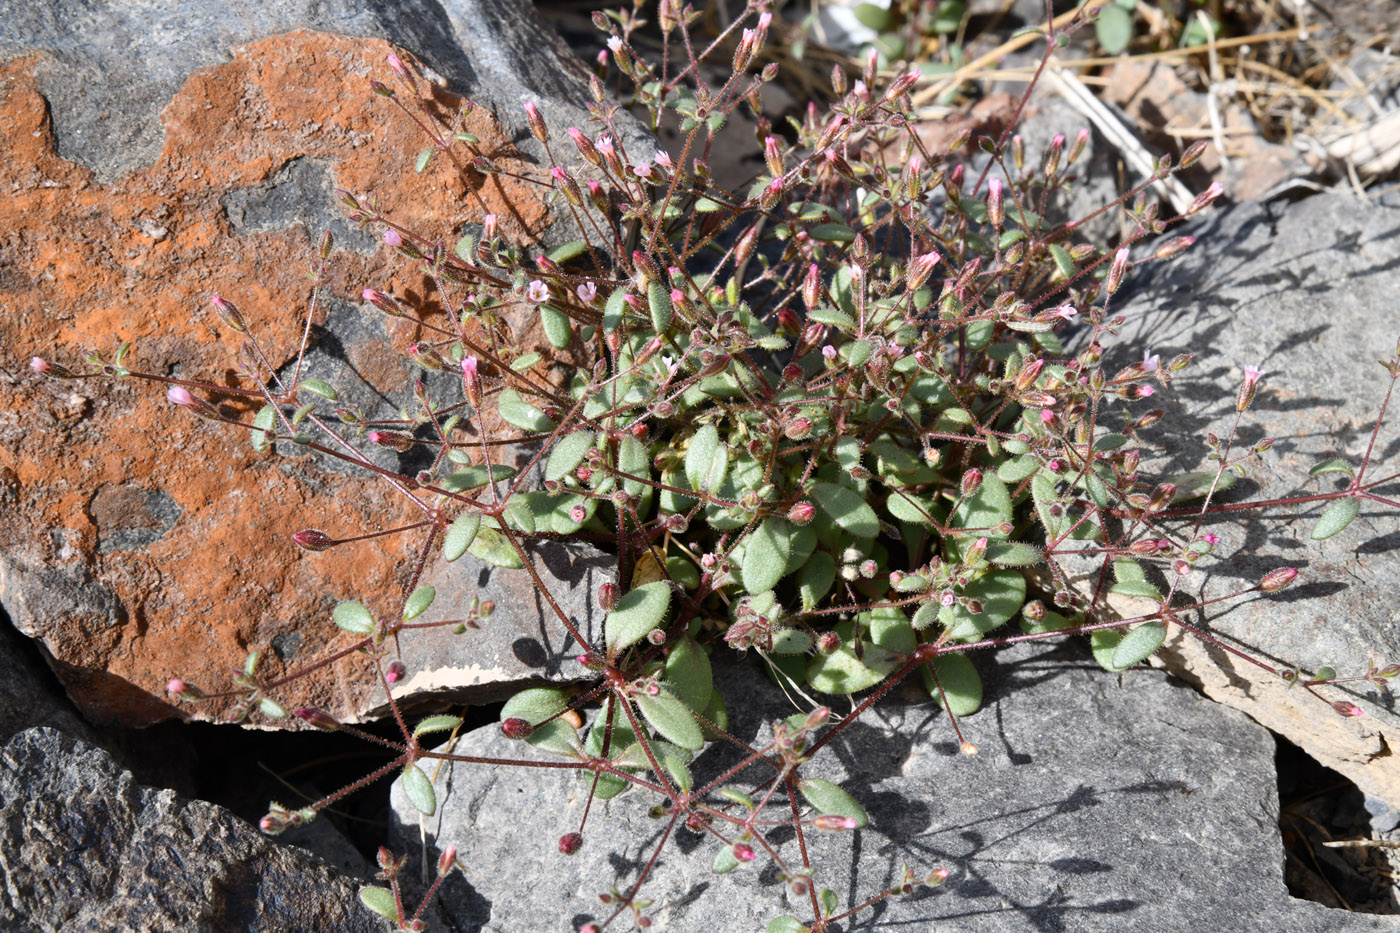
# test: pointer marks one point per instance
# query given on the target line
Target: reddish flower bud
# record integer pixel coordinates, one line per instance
(447, 860)
(183, 691)
(1276, 580)
(1206, 197)
(536, 121)
(316, 717)
(971, 480)
(229, 314)
(312, 540)
(801, 512)
(994, 206)
(798, 428)
(787, 320)
(742, 851)
(1350, 710)
(832, 822)
(569, 843)
(516, 728)
(1116, 271)
(828, 642)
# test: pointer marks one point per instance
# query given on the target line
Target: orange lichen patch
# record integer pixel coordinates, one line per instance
(85, 266)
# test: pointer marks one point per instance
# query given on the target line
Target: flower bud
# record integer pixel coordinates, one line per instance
(742, 851)
(317, 717)
(811, 287)
(183, 691)
(229, 314)
(994, 206)
(395, 672)
(471, 381)
(312, 540)
(393, 440)
(1077, 148)
(798, 428)
(1215, 190)
(1116, 271)
(1173, 247)
(569, 843)
(801, 512)
(516, 728)
(773, 156)
(447, 860)
(1350, 710)
(827, 642)
(1276, 580)
(971, 480)
(832, 822)
(536, 121)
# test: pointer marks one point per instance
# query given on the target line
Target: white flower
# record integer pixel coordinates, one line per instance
(537, 291)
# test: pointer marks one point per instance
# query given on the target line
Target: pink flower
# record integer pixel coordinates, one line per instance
(488, 226)
(828, 353)
(39, 364)
(1151, 362)
(605, 145)
(1210, 538)
(1065, 312)
(396, 64)
(1145, 391)
(615, 43)
(1252, 375)
(663, 159)
(179, 395)
(537, 291)
(392, 238)
(642, 171)
(587, 292)
(1046, 416)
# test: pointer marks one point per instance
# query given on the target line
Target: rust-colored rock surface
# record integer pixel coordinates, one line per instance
(141, 543)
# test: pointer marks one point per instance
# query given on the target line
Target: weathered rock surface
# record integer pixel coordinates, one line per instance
(142, 544)
(84, 847)
(1098, 802)
(1306, 292)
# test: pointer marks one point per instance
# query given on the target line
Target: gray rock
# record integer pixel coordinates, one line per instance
(1306, 292)
(84, 847)
(1097, 802)
(522, 642)
(108, 69)
(29, 695)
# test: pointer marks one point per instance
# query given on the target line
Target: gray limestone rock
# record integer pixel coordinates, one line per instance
(1097, 802)
(1307, 293)
(83, 847)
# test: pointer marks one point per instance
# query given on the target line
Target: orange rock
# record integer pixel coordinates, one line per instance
(142, 543)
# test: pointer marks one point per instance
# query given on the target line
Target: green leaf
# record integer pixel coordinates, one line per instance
(1001, 592)
(707, 460)
(874, 17)
(1335, 517)
(1334, 465)
(524, 361)
(830, 901)
(1064, 263)
(265, 419)
(960, 681)
(637, 613)
(832, 318)
(1138, 643)
(418, 602)
(906, 507)
(418, 789)
(568, 453)
(688, 671)
(815, 578)
(988, 507)
(1116, 651)
(766, 551)
(519, 413)
(566, 251)
(613, 311)
(632, 459)
(474, 477)
(535, 704)
(1013, 471)
(460, 535)
(724, 861)
(1114, 28)
(1043, 494)
(671, 717)
(494, 548)
(425, 156)
(827, 797)
(1013, 553)
(442, 723)
(787, 924)
(353, 617)
(1132, 580)
(847, 509)
(791, 641)
(557, 328)
(1194, 485)
(381, 901)
(832, 233)
(842, 672)
(319, 387)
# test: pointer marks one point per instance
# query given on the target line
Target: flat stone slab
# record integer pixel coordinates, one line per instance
(1097, 802)
(1306, 292)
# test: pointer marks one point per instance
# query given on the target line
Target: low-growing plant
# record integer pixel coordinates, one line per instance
(851, 418)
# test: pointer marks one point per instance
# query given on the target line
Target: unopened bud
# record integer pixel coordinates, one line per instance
(798, 428)
(183, 691)
(1173, 247)
(317, 717)
(811, 287)
(971, 480)
(516, 728)
(447, 860)
(312, 540)
(994, 207)
(742, 851)
(1203, 201)
(832, 822)
(395, 672)
(801, 512)
(1276, 580)
(536, 121)
(1350, 710)
(229, 314)
(827, 642)
(569, 843)
(1116, 271)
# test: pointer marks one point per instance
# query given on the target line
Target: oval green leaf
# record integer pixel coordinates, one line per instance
(519, 413)
(381, 901)
(418, 602)
(460, 535)
(1336, 517)
(827, 797)
(847, 509)
(418, 789)
(637, 613)
(442, 723)
(353, 617)
(961, 683)
(672, 719)
(766, 551)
